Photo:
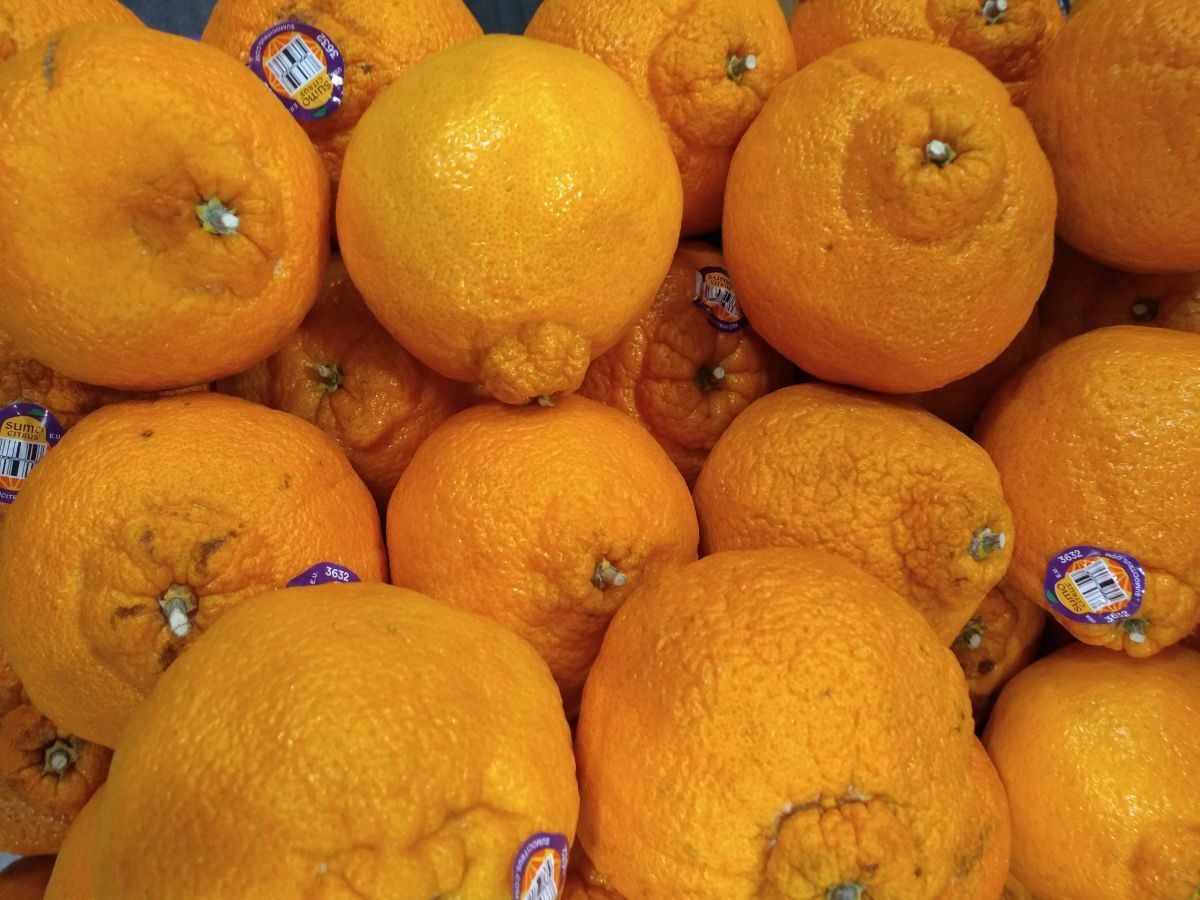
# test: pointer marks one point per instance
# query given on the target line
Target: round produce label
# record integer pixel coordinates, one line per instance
(715, 295)
(303, 66)
(540, 868)
(27, 431)
(322, 573)
(1094, 585)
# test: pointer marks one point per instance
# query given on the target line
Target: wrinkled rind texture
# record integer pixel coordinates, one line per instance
(108, 277)
(506, 511)
(675, 55)
(1125, 140)
(22, 22)
(885, 485)
(408, 747)
(1098, 753)
(508, 208)
(768, 724)
(1098, 442)
(205, 490)
(860, 261)
(1009, 627)
(74, 872)
(378, 39)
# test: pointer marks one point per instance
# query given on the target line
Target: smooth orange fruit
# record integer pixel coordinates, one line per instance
(691, 364)
(26, 878)
(46, 774)
(875, 481)
(541, 210)
(544, 519)
(1083, 295)
(202, 501)
(1098, 754)
(23, 22)
(74, 869)
(984, 868)
(1014, 890)
(1007, 37)
(871, 180)
(775, 723)
(166, 233)
(389, 741)
(1129, 198)
(1097, 444)
(998, 641)
(341, 371)
(704, 68)
(376, 40)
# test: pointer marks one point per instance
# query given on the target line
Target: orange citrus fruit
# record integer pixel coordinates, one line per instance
(871, 180)
(73, 877)
(390, 740)
(341, 371)
(984, 870)
(150, 520)
(1097, 443)
(541, 210)
(875, 481)
(998, 641)
(375, 40)
(168, 233)
(691, 364)
(26, 878)
(1098, 754)
(776, 723)
(1128, 197)
(23, 22)
(704, 68)
(544, 519)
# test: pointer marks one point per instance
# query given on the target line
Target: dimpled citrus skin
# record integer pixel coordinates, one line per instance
(1005, 629)
(1098, 753)
(1098, 443)
(508, 209)
(1128, 197)
(875, 481)
(508, 511)
(842, 237)
(202, 491)
(377, 39)
(676, 55)
(1010, 47)
(26, 878)
(381, 403)
(73, 877)
(662, 371)
(388, 739)
(771, 724)
(107, 274)
(984, 878)
(1082, 295)
(23, 22)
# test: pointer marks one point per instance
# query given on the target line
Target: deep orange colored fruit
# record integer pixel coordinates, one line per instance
(1083, 295)
(775, 723)
(681, 370)
(871, 180)
(704, 68)
(46, 774)
(204, 501)
(168, 233)
(875, 481)
(1130, 200)
(23, 22)
(585, 881)
(984, 867)
(1000, 640)
(341, 371)
(74, 869)
(544, 519)
(388, 738)
(26, 878)
(376, 41)
(541, 210)
(1007, 38)
(1014, 890)
(1097, 443)
(1098, 754)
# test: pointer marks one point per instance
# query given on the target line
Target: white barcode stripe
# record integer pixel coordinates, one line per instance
(295, 65)
(1097, 585)
(543, 887)
(18, 457)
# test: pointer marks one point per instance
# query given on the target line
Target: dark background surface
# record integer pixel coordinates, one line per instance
(189, 16)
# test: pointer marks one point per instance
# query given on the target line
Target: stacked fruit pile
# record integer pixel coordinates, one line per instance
(398, 503)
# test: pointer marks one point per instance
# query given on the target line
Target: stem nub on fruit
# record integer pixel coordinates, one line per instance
(1136, 629)
(971, 636)
(544, 399)
(994, 10)
(1144, 310)
(58, 757)
(606, 573)
(939, 153)
(737, 66)
(985, 542)
(330, 376)
(847, 890)
(217, 218)
(708, 376)
(176, 603)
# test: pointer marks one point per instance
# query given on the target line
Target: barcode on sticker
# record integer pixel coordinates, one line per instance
(543, 886)
(724, 298)
(18, 457)
(295, 65)
(1097, 585)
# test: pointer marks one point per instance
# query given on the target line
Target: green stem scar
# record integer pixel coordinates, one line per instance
(994, 10)
(1136, 629)
(606, 573)
(217, 218)
(939, 153)
(58, 757)
(971, 636)
(708, 376)
(847, 890)
(737, 66)
(330, 376)
(1144, 310)
(985, 542)
(176, 603)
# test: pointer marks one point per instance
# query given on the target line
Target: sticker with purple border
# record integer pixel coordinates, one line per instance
(323, 573)
(1094, 586)
(27, 431)
(540, 868)
(303, 66)
(715, 295)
